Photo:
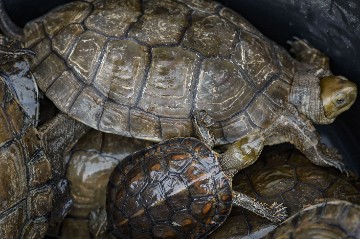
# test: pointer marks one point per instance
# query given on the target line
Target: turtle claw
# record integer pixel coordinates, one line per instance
(331, 157)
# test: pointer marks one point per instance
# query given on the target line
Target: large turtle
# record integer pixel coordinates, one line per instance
(286, 176)
(334, 219)
(30, 186)
(142, 68)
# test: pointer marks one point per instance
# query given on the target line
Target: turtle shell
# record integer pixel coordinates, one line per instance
(284, 176)
(139, 68)
(175, 189)
(335, 219)
(25, 180)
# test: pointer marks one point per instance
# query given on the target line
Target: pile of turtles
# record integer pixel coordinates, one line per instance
(159, 109)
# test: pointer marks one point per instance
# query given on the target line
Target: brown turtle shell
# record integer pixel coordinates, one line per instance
(284, 176)
(175, 189)
(25, 180)
(139, 68)
(334, 219)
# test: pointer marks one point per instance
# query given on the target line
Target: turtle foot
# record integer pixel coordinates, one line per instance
(306, 53)
(331, 157)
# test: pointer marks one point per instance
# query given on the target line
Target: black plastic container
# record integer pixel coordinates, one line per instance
(333, 26)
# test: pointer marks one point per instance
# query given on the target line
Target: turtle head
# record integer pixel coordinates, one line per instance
(321, 96)
(337, 95)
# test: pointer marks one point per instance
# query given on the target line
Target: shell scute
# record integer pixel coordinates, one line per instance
(64, 41)
(210, 35)
(174, 185)
(13, 179)
(85, 55)
(262, 111)
(170, 77)
(84, 107)
(163, 22)
(121, 71)
(222, 89)
(64, 15)
(49, 70)
(172, 128)
(113, 18)
(65, 90)
(33, 32)
(12, 221)
(255, 56)
(144, 125)
(42, 51)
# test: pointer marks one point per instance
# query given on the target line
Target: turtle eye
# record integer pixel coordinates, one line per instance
(340, 100)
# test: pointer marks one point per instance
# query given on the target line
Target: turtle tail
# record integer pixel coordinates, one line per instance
(7, 26)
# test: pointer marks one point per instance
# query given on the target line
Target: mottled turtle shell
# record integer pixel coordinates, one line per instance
(25, 180)
(175, 189)
(139, 68)
(88, 168)
(284, 176)
(335, 219)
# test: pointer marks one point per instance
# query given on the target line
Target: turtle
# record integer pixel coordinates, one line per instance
(88, 167)
(284, 175)
(180, 188)
(334, 219)
(142, 69)
(30, 188)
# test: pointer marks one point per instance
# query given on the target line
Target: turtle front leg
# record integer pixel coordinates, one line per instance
(274, 212)
(295, 128)
(306, 53)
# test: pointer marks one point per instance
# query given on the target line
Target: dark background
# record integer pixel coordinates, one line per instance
(333, 26)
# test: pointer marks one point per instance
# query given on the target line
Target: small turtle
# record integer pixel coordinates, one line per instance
(181, 188)
(285, 176)
(29, 187)
(88, 167)
(142, 68)
(334, 219)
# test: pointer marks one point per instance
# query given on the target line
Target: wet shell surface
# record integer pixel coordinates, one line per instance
(140, 68)
(25, 180)
(284, 176)
(88, 168)
(174, 189)
(334, 219)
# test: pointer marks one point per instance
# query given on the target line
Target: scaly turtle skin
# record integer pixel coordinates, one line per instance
(284, 176)
(88, 167)
(334, 219)
(26, 188)
(143, 68)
